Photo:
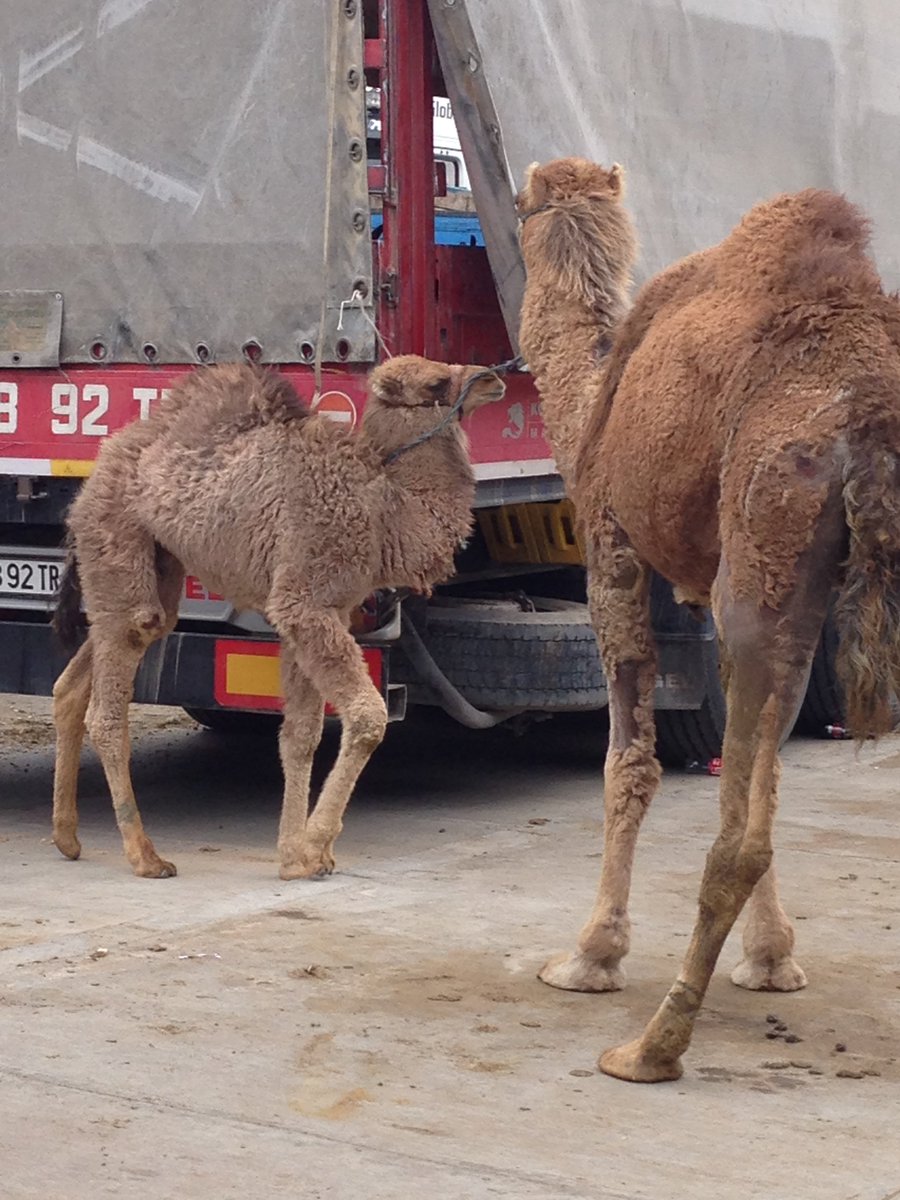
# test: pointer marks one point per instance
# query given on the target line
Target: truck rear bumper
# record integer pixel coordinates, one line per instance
(187, 669)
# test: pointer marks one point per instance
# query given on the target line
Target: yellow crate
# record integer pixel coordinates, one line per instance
(509, 534)
(555, 532)
(532, 533)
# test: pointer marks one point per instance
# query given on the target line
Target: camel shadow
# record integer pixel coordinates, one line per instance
(425, 761)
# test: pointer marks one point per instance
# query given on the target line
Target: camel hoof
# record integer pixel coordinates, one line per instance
(785, 976)
(577, 973)
(67, 844)
(155, 868)
(314, 868)
(635, 1064)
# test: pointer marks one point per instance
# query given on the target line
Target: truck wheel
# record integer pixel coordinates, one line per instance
(503, 658)
(824, 701)
(690, 735)
(223, 720)
(686, 736)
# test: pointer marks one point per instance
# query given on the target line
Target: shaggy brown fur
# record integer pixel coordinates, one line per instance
(587, 250)
(286, 513)
(743, 438)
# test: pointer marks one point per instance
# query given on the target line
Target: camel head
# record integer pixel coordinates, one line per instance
(413, 398)
(564, 180)
(575, 233)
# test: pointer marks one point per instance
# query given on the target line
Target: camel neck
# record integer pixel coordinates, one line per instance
(429, 493)
(430, 466)
(564, 345)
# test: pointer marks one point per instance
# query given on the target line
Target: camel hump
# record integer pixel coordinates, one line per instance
(275, 398)
(815, 242)
(813, 215)
(237, 395)
(829, 216)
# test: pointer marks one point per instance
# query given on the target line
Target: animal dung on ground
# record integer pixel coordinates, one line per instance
(313, 971)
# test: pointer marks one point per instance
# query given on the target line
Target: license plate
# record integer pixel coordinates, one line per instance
(34, 578)
(30, 579)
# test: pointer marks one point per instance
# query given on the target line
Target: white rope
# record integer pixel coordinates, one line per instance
(358, 300)
(329, 164)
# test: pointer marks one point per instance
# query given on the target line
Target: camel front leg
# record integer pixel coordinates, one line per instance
(768, 964)
(618, 591)
(363, 719)
(71, 695)
(326, 653)
(300, 733)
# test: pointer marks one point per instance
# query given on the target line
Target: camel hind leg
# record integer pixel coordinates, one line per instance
(71, 695)
(769, 626)
(119, 640)
(768, 964)
(764, 684)
(618, 591)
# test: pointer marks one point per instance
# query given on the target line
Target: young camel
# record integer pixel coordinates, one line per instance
(579, 263)
(287, 513)
(742, 444)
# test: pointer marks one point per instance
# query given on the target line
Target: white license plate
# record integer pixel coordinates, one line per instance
(37, 578)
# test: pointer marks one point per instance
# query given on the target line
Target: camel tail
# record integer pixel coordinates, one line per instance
(67, 621)
(868, 607)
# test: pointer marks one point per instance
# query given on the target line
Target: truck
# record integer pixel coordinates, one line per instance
(315, 184)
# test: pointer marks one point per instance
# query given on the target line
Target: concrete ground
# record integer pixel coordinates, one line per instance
(382, 1034)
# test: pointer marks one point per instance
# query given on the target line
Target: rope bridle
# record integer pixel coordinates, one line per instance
(533, 212)
(512, 364)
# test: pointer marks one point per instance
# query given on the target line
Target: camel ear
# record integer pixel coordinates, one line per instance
(386, 387)
(534, 189)
(617, 180)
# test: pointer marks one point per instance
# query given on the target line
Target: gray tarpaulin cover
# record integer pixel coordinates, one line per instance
(163, 162)
(163, 165)
(710, 105)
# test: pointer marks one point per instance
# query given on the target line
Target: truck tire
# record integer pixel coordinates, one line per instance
(694, 735)
(487, 651)
(502, 658)
(685, 736)
(689, 735)
(824, 705)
